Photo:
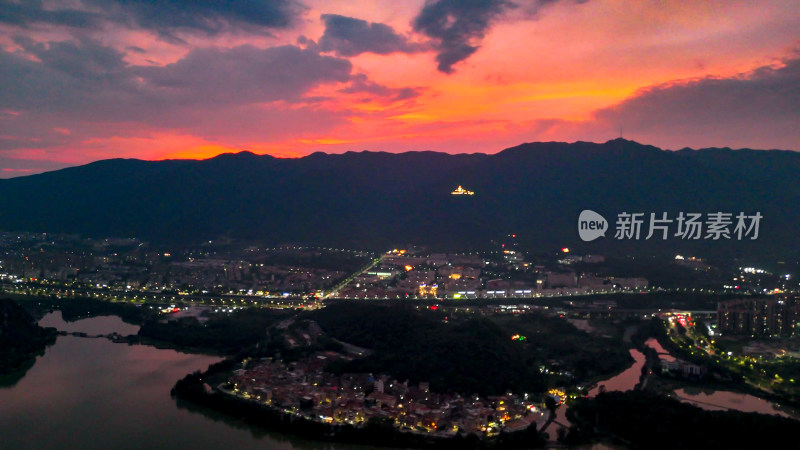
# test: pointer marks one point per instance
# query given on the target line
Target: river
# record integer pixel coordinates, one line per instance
(706, 399)
(662, 353)
(91, 393)
(724, 400)
(624, 381)
(712, 400)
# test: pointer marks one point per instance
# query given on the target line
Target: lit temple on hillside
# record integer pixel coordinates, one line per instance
(461, 191)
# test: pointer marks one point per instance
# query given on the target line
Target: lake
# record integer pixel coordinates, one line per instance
(96, 325)
(91, 393)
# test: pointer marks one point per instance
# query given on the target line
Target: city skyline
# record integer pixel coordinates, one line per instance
(93, 80)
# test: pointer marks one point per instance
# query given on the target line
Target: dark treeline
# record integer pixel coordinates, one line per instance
(647, 420)
(560, 346)
(221, 333)
(73, 309)
(21, 339)
(471, 356)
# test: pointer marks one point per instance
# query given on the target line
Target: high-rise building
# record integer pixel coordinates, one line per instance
(771, 316)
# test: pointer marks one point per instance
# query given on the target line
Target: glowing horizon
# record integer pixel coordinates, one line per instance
(91, 80)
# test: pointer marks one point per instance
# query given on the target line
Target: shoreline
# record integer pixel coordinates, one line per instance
(194, 389)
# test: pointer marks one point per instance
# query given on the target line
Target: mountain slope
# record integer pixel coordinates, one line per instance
(376, 199)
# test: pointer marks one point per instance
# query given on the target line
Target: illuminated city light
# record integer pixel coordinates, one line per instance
(461, 191)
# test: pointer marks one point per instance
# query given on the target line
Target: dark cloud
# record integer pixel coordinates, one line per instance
(168, 18)
(530, 9)
(69, 75)
(29, 12)
(758, 109)
(85, 59)
(244, 74)
(457, 26)
(350, 37)
(58, 93)
(61, 76)
(361, 84)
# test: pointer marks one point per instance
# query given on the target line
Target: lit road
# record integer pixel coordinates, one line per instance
(335, 291)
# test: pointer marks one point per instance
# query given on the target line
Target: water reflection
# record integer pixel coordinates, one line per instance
(724, 400)
(95, 394)
(94, 326)
(662, 353)
(626, 380)
(712, 400)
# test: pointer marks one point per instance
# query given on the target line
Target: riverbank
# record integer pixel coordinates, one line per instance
(78, 381)
(649, 420)
(721, 375)
(739, 400)
(221, 335)
(625, 380)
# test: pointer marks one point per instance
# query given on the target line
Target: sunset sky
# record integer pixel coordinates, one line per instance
(82, 80)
